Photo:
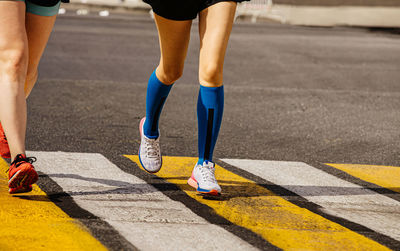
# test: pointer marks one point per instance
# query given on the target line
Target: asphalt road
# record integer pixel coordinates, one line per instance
(292, 93)
(315, 95)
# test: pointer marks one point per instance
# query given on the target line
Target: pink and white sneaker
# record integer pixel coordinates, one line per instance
(149, 151)
(203, 179)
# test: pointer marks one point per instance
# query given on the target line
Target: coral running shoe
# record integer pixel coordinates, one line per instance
(4, 148)
(22, 174)
(20, 189)
(203, 179)
(149, 151)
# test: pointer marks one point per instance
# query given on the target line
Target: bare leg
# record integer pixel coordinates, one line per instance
(215, 25)
(174, 41)
(38, 29)
(13, 69)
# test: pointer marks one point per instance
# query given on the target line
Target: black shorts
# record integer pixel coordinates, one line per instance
(182, 9)
(48, 3)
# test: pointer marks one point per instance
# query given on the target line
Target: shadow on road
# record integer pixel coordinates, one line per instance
(231, 189)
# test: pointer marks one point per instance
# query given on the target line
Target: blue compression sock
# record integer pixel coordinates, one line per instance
(210, 107)
(157, 93)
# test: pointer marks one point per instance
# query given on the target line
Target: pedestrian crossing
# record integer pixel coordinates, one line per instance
(139, 212)
(384, 176)
(151, 216)
(33, 222)
(336, 196)
(280, 222)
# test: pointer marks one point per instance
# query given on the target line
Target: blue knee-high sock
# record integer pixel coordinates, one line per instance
(157, 93)
(210, 107)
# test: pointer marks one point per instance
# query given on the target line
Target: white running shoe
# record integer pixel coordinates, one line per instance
(149, 151)
(203, 179)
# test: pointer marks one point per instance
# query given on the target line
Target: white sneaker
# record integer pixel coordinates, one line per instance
(203, 179)
(149, 151)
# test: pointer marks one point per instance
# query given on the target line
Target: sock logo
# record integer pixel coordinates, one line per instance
(210, 122)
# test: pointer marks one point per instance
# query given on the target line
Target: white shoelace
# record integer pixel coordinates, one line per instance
(208, 173)
(152, 148)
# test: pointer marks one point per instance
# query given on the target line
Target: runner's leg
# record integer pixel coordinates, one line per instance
(215, 25)
(38, 29)
(174, 39)
(13, 69)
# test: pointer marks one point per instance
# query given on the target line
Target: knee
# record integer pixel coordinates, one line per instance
(13, 62)
(211, 75)
(169, 75)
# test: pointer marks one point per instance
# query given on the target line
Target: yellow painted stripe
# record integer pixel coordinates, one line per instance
(278, 221)
(384, 176)
(32, 222)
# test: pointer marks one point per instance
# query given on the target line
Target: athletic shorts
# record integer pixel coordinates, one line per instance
(42, 8)
(182, 9)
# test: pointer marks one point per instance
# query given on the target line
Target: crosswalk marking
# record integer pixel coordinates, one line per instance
(336, 196)
(282, 223)
(33, 222)
(138, 211)
(384, 176)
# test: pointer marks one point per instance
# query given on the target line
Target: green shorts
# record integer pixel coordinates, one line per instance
(41, 10)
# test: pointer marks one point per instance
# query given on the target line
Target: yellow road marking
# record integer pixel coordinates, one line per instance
(32, 222)
(384, 176)
(278, 221)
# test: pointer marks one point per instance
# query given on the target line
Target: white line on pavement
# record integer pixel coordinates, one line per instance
(143, 215)
(337, 197)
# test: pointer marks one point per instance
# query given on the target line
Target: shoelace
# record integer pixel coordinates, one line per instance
(153, 148)
(19, 160)
(208, 173)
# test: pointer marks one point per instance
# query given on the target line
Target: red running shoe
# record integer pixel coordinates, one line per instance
(22, 174)
(20, 189)
(4, 148)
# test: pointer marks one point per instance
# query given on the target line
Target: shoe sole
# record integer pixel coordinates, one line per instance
(195, 185)
(23, 178)
(140, 160)
(20, 190)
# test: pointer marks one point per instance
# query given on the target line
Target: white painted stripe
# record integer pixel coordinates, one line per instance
(336, 196)
(143, 215)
